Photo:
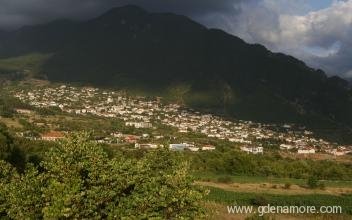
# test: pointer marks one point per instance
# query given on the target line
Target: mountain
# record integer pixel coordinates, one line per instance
(44, 38)
(207, 69)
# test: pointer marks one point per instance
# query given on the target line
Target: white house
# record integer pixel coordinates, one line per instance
(253, 150)
(139, 124)
(339, 151)
(181, 147)
(23, 111)
(240, 140)
(194, 149)
(306, 150)
(147, 146)
(287, 147)
(208, 147)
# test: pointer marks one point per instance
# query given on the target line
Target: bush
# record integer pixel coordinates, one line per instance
(78, 180)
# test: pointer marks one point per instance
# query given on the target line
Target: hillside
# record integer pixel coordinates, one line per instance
(174, 56)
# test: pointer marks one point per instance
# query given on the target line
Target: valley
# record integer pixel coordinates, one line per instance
(136, 114)
(45, 113)
(153, 115)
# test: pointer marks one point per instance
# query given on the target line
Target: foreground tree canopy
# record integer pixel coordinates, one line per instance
(77, 179)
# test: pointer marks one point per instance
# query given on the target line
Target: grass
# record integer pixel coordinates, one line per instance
(317, 200)
(28, 63)
(11, 123)
(273, 180)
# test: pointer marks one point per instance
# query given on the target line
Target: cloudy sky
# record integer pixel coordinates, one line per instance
(316, 31)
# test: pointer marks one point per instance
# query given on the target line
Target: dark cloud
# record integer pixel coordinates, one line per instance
(188, 7)
(15, 13)
(281, 25)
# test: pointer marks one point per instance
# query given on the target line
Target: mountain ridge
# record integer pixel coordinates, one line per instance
(204, 68)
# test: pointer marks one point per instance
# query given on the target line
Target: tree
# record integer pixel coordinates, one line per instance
(79, 180)
(6, 143)
(6, 174)
(8, 149)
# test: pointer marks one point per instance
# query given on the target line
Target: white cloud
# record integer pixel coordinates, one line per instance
(348, 74)
(322, 38)
(318, 29)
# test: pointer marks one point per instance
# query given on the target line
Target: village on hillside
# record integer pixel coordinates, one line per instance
(143, 113)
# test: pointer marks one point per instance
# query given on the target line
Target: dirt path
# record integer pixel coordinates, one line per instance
(275, 188)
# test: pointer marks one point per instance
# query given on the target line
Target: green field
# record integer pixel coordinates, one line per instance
(29, 63)
(317, 200)
(274, 180)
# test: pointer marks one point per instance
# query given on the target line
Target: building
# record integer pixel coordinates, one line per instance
(183, 130)
(240, 140)
(23, 111)
(340, 151)
(147, 146)
(139, 124)
(132, 139)
(52, 136)
(287, 147)
(306, 150)
(193, 149)
(180, 147)
(208, 147)
(253, 150)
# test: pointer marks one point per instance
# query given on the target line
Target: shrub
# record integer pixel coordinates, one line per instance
(78, 180)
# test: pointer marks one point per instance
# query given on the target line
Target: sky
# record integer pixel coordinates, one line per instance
(318, 32)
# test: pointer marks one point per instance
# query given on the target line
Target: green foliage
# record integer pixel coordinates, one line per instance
(224, 179)
(30, 62)
(6, 173)
(259, 201)
(232, 162)
(9, 151)
(23, 196)
(8, 104)
(78, 180)
(318, 200)
(312, 182)
(48, 111)
(6, 110)
(6, 143)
